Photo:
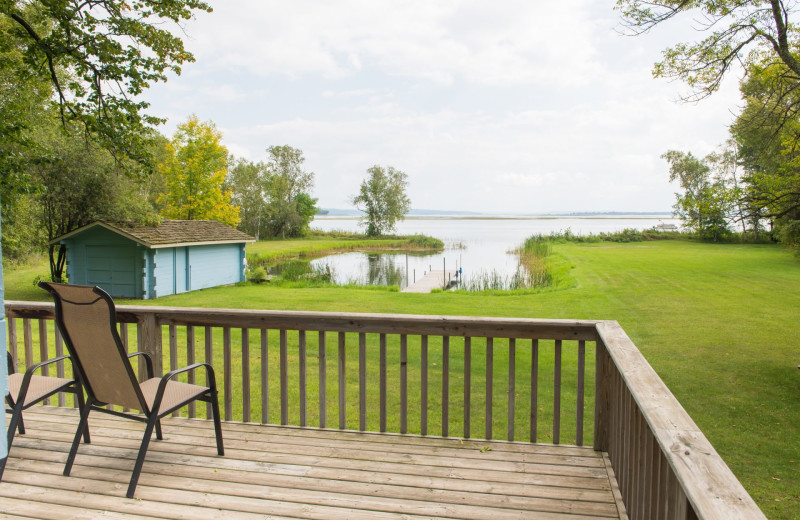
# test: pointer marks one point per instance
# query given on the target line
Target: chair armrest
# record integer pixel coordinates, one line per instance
(147, 361)
(211, 382)
(37, 366)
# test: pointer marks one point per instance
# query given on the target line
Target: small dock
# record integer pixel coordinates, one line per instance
(440, 279)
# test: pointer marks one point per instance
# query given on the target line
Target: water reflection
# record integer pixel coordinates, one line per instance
(382, 270)
(371, 268)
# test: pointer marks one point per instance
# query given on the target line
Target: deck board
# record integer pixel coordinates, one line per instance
(280, 472)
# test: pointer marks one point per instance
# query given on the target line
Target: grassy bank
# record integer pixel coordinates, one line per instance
(265, 252)
(716, 321)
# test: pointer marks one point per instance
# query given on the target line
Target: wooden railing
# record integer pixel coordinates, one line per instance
(436, 375)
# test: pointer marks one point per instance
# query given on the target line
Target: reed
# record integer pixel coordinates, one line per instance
(533, 270)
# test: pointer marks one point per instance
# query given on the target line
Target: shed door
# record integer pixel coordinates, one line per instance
(116, 269)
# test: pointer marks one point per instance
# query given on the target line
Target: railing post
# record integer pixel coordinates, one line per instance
(150, 342)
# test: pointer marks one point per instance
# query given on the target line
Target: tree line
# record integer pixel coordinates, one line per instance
(77, 143)
(752, 182)
(73, 181)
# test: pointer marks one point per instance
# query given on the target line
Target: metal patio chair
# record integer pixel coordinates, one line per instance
(86, 317)
(28, 389)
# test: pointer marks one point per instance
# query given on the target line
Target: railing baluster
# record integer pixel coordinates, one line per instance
(581, 371)
(423, 385)
(190, 360)
(123, 336)
(246, 375)
(284, 354)
(644, 468)
(208, 339)
(602, 399)
(28, 339)
(302, 353)
(228, 378)
(489, 386)
(663, 475)
(264, 376)
(629, 459)
(446, 386)
(467, 384)
(557, 395)
(512, 385)
(638, 466)
(342, 379)
(173, 354)
(323, 381)
(362, 381)
(12, 343)
(383, 382)
(403, 383)
(43, 350)
(60, 365)
(534, 411)
(649, 476)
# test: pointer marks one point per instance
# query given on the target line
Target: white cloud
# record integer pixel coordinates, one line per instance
(506, 42)
(504, 106)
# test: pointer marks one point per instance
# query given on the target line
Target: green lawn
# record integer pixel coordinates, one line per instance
(718, 322)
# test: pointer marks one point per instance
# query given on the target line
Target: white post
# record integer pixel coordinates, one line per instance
(3, 367)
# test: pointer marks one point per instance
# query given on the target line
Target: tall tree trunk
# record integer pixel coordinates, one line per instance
(57, 262)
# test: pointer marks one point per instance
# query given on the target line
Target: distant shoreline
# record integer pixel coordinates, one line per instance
(588, 216)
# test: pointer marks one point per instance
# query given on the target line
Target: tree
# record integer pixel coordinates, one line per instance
(194, 174)
(24, 94)
(99, 56)
(248, 181)
(740, 32)
(383, 199)
(79, 184)
(758, 37)
(289, 208)
(767, 134)
(704, 204)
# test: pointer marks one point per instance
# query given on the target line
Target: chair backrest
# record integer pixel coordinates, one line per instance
(87, 319)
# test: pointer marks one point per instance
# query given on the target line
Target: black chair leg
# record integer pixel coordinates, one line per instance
(16, 421)
(137, 469)
(78, 434)
(159, 433)
(217, 425)
(81, 406)
(20, 424)
(16, 416)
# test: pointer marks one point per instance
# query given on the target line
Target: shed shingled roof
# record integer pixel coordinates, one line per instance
(173, 232)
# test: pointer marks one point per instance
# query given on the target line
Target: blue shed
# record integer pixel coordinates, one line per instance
(151, 261)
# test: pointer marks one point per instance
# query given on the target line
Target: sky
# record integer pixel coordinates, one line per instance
(508, 106)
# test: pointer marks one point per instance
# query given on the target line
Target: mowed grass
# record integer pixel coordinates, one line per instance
(718, 322)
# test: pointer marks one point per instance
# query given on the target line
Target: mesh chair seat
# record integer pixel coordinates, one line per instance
(175, 394)
(39, 387)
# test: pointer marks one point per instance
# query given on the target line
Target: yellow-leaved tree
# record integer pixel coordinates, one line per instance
(194, 175)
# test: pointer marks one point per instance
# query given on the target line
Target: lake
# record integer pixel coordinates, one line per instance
(477, 244)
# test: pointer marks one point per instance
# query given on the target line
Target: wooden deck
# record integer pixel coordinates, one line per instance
(287, 472)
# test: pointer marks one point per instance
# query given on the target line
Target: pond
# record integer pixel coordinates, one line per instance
(477, 245)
